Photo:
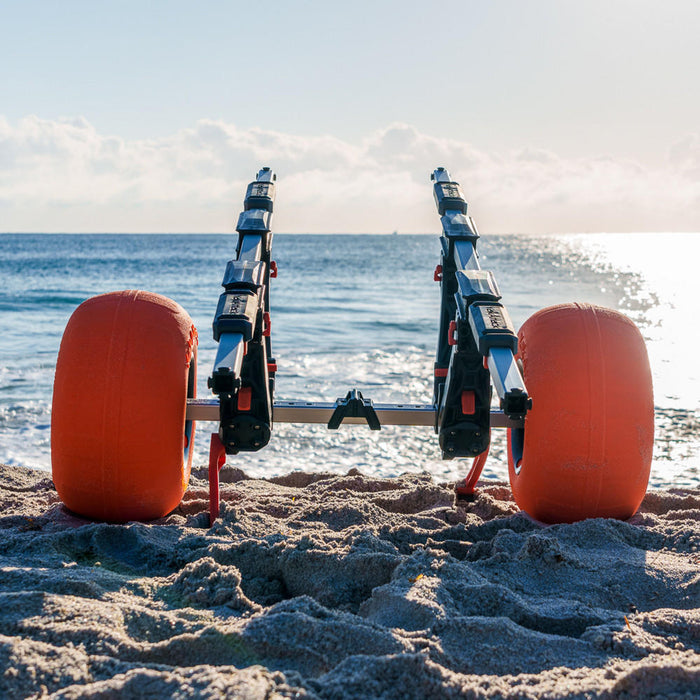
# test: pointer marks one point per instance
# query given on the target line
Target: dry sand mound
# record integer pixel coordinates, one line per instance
(318, 586)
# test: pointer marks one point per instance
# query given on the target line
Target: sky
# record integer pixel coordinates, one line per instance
(555, 116)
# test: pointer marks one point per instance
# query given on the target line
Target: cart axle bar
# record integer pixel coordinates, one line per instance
(322, 411)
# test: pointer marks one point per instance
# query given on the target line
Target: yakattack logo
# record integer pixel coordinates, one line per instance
(236, 304)
(260, 189)
(450, 190)
(493, 317)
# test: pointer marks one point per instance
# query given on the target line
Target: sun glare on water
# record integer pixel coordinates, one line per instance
(664, 303)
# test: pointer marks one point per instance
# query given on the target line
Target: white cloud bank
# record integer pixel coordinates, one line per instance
(65, 176)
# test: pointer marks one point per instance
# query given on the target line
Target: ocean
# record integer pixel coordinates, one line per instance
(352, 311)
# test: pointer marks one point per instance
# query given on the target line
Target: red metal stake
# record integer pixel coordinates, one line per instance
(217, 459)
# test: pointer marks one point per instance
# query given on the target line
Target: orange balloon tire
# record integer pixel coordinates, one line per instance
(121, 447)
(586, 448)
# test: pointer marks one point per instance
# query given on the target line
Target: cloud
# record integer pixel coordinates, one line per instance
(685, 155)
(63, 175)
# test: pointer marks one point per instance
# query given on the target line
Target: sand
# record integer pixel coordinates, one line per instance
(321, 586)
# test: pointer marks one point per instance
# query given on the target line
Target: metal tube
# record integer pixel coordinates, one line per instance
(504, 372)
(251, 247)
(321, 412)
(388, 414)
(441, 175)
(509, 383)
(465, 256)
(230, 353)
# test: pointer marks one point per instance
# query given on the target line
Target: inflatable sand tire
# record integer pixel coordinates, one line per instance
(120, 444)
(586, 448)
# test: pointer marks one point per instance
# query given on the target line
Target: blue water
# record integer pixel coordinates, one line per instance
(351, 311)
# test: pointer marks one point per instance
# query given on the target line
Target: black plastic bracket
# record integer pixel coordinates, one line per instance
(354, 405)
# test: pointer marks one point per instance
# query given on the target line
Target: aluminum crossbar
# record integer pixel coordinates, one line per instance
(321, 412)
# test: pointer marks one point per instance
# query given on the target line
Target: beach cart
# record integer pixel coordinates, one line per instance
(572, 388)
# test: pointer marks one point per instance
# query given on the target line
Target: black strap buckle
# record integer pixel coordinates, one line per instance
(354, 405)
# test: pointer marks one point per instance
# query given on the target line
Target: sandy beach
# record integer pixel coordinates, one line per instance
(322, 586)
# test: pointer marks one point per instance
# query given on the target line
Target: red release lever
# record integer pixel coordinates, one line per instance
(273, 268)
(437, 275)
(245, 396)
(468, 403)
(267, 324)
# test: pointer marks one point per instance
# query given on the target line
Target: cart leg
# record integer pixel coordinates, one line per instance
(465, 489)
(217, 459)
